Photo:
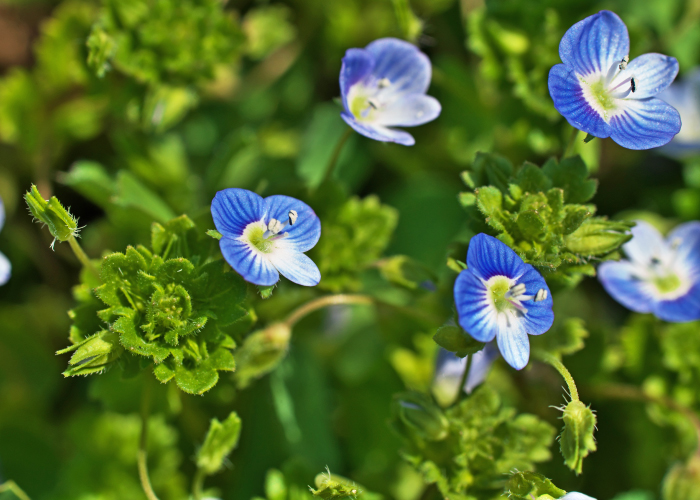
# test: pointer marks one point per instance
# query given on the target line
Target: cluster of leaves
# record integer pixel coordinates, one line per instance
(467, 449)
(167, 305)
(541, 214)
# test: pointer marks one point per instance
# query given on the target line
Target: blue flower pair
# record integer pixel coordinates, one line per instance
(601, 91)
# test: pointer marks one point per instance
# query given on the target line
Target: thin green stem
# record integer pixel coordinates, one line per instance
(463, 380)
(143, 442)
(570, 145)
(336, 154)
(82, 256)
(559, 366)
(11, 486)
(329, 300)
(198, 484)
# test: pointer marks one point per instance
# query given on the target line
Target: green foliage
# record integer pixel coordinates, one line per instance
(415, 414)
(682, 481)
(527, 485)
(406, 272)
(484, 441)
(266, 29)
(221, 439)
(576, 440)
(539, 213)
(60, 223)
(333, 487)
(456, 340)
(353, 238)
(168, 304)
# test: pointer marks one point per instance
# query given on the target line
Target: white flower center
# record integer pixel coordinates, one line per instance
(262, 237)
(665, 277)
(606, 93)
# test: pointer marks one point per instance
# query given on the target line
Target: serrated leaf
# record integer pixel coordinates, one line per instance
(490, 203)
(531, 223)
(132, 193)
(492, 169)
(571, 174)
(204, 375)
(119, 273)
(531, 179)
(527, 485)
(574, 217)
(164, 235)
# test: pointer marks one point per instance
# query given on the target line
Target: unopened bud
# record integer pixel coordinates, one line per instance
(682, 482)
(261, 352)
(61, 224)
(576, 440)
(419, 414)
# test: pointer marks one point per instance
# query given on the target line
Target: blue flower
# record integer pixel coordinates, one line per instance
(661, 277)
(685, 97)
(500, 296)
(600, 91)
(384, 85)
(449, 369)
(265, 237)
(5, 266)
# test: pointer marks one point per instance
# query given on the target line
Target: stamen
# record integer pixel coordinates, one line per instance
(615, 68)
(516, 290)
(541, 295)
(518, 306)
(633, 85)
(623, 63)
(372, 104)
(383, 83)
(292, 217)
(274, 226)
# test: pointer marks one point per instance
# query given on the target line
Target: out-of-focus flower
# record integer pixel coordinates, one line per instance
(384, 85)
(600, 91)
(685, 97)
(660, 276)
(449, 369)
(5, 266)
(575, 495)
(265, 237)
(500, 296)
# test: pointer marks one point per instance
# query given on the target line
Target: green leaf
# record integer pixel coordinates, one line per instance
(455, 340)
(132, 193)
(266, 291)
(334, 487)
(571, 174)
(214, 234)
(221, 439)
(165, 235)
(531, 179)
(531, 223)
(492, 169)
(598, 236)
(404, 271)
(574, 217)
(204, 375)
(94, 354)
(420, 415)
(527, 485)
(576, 440)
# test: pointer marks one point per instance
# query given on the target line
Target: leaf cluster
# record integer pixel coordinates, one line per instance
(469, 448)
(165, 305)
(541, 214)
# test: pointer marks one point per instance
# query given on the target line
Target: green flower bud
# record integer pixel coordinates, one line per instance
(61, 224)
(332, 486)
(576, 440)
(420, 415)
(530, 485)
(221, 439)
(93, 354)
(261, 352)
(682, 482)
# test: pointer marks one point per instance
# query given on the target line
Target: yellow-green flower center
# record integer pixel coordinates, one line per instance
(667, 284)
(498, 287)
(256, 237)
(600, 92)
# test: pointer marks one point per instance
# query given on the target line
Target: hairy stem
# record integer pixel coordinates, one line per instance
(463, 380)
(336, 154)
(632, 393)
(82, 256)
(11, 487)
(198, 484)
(143, 442)
(570, 145)
(320, 303)
(559, 366)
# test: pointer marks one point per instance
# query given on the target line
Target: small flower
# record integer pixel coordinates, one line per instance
(449, 369)
(661, 277)
(5, 266)
(384, 85)
(575, 495)
(600, 91)
(685, 97)
(500, 296)
(262, 238)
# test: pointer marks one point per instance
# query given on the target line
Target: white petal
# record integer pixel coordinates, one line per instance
(409, 111)
(646, 244)
(5, 269)
(295, 266)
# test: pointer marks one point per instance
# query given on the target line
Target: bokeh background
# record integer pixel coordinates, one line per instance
(132, 111)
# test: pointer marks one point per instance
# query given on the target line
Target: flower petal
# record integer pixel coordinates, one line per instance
(680, 310)
(645, 124)
(403, 64)
(687, 239)
(305, 232)
(481, 365)
(646, 244)
(357, 64)
(233, 209)
(620, 280)
(378, 132)
(594, 44)
(248, 263)
(5, 269)
(477, 316)
(294, 265)
(2, 214)
(575, 495)
(652, 73)
(488, 257)
(539, 317)
(568, 97)
(409, 111)
(514, 346)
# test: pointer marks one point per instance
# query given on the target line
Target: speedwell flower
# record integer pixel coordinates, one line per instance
(685, 97)
(5, 266)
(600, 91)
(265, 237)
(384, 85)
(661, 277)
(500, 296)
(449, 369)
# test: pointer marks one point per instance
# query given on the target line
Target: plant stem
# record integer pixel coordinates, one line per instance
(632, 393)
(463, 380)
(143, 442)
(328, 300)
(336, 154)
(82, 256)
(12, 487)
(570, 144)
(198, 484)
(559, 366)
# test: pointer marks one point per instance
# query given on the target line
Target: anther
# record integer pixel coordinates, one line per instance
(274, 226)
(383, 83)
(517, 290)
(623, 64)
(372, 104)
(292, 217)
(633, 85)
(541, 295)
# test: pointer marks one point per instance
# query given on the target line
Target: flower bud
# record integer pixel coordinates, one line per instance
(62, 225)
(576, 440)
(221, 439)
(682, 482)
(420, 415)
(93, 354)
(261, 352)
